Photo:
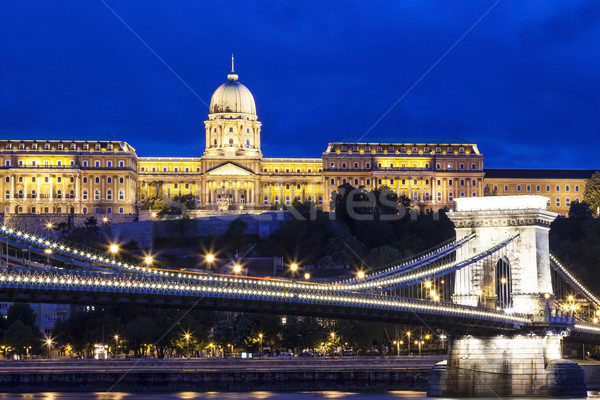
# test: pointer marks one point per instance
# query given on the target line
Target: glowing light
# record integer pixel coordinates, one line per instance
(294, 267)
(428, 284)
(48, 251)
(307, 276)
(361, 274)
(114, 248)
(503, 280)
(570, 298)
(210, 258)
(546, 295)
(148, 260)
(237, 268)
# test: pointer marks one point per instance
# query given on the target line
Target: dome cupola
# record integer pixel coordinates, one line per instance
(232, 97)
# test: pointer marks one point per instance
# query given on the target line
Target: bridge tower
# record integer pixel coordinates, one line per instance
(516, 279)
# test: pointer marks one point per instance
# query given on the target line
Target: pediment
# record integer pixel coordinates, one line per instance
(229, 169)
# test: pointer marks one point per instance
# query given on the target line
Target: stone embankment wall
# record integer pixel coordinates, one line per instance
(160, 376)
(38, 222)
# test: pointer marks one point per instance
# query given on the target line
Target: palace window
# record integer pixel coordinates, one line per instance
(462, 182)
(331, 165)
(109, 210)
(7, 179)
(567, 188)
(506, 188)
(355, 182)
(462, 194)
(557, 188)
(391, 181)
(46, 146)
(97, 180)
(46, 163)
(450, 182)
(577, 188)
(121, 180)
(86, 146)
(287, 200)
(473, 166)
(7, 163)
(538, 188)
(426, 196)
(344, 181)
(320, 200)
(557, 202)
(403, 150)
(473, 182)
(355, 165)
(175, 186)
(528, 188)
(309, 170)
(59, 194)
(276, 169)
(567, 202)
(403, 182)
(85, 180)
(287, 186)
(277, 199)
(415, 196)
(344, 165)
(462, 166)
(121, 194)
(518, 188)
(332, 181)
(97, 163)
(439, 196)
(165, 169)
(368, 165)
(33, 179)
(298, 187)
(378, 165)
(450, 196)
(367, 148)
(33, 194)
(266, 200)
(109, 195)
(547, 188)
(379, 150)
(368, 181)
(391, 165)
(109, 180)
(73, 147)
(97, 195)
(449, 165)
(176, 169)
(121, 210)
(109, 147)
(379, 181)
(548, 203)
(84, 210)
(71, 194)
(7, 194)
(20, 163)
(109, 164)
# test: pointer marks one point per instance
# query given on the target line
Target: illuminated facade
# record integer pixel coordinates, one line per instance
(107, 177)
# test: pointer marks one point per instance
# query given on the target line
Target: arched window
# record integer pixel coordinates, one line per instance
(59, 180)
(109, 180)
(368, 181)
(109, 195)
(247, 143)
(503, 283)
(462, 182)
(85, 180)
(71, 194)
(85, 195)
(59, 194)
(287, 186)
(332, 181)
(215, 142)
(557, 202)
(231, 142)
(97, 195)
(439, 196)
(7, 194)
(356, 182)
(450, 196)
(121, 180)
(320, 200)
(71, 180)
(175, 186)
(121, 194)
(473, 194)
(97, 180)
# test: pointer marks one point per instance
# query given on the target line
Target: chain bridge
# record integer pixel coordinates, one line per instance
(504, 301)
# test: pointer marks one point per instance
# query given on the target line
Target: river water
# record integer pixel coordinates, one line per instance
(404, 395)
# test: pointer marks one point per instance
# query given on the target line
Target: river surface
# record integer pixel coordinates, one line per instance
(404, 395)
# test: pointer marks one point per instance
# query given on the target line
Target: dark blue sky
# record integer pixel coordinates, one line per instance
(524, 83)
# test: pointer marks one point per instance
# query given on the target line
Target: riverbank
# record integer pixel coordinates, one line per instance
(169, 375)
(358, 374)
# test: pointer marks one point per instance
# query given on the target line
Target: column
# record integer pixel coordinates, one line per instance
(25, 186)
(433, 191)
(303, 187)
(271, 193)
(147, 192)
(77, 187)
(293, 186)
(12, 187)
(315, 200)
(235, 196)
(51, 187)
(64, 193)
(410, 196)
(281, 192)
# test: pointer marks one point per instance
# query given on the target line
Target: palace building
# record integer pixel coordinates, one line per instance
(107, 177)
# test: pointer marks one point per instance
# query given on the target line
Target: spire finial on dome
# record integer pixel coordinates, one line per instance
(232, 76)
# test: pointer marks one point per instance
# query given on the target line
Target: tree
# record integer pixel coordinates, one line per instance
(223, 333)
(591, 195)
(21, 312)
(19, 336)
(236, 233)
(581, 211)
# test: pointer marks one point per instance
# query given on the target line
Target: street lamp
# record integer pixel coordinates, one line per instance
(209, 260)
(116, 345)
(361, 275)
(260, 335)
(49, 344)
(408, 334)
(237, 268)
(148, 260)
(187, 345)
(105, 220)
(49, 226)
(307, 276)
(294, 267)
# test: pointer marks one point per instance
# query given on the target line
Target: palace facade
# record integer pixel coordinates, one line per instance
(107, 177)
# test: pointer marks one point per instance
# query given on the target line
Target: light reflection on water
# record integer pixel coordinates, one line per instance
(405, 395)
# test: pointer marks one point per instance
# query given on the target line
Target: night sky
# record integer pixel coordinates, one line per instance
(524, 83)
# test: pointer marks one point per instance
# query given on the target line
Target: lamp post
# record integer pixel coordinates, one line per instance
(114, 249)
(209, 260)
(408, 334)
(187, 345)
(116, 346)
(333, 341)
(260, 335)
(49, 344)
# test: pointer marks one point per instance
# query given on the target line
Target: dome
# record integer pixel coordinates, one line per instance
(232, 97)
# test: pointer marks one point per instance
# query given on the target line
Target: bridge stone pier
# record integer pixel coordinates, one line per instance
(517, 279)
